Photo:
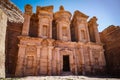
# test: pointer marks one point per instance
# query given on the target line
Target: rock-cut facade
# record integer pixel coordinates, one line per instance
(54, 43)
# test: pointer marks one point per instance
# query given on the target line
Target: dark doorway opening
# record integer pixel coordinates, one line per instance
(66, 63)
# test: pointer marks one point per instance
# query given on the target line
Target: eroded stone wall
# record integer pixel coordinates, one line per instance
(111, 39)
(13, 30)
(3, 25)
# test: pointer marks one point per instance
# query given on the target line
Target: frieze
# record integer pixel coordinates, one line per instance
(41, 15)
(65, 44)
(29, 38)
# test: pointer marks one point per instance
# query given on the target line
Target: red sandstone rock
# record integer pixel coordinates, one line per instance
(3, 25)
(41, 54)
(46, 42)
(111, 39)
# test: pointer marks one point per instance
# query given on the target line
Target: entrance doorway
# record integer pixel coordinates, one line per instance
(66, 63)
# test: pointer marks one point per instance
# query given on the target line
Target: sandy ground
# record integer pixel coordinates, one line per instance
(61, 78)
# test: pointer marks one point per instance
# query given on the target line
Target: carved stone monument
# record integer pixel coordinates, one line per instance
(60, 44)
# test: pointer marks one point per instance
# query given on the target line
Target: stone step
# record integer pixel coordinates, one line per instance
(66, 73)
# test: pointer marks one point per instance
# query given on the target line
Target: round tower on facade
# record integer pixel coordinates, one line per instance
(62, 21)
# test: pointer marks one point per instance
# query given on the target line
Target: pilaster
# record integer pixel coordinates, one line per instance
(75, 60)
(91, 59)
(26, 24)
(87, 32)
(50, 60)
(39, 29)
(21, 54)
(54, 62)
(97, 36)
(27, 16)
(58, 60)
(103, 62)
(50, 29)
(83, 62)
(38, 59)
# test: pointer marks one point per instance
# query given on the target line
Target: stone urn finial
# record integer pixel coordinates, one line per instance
(61, 8)
(94, 18)
(28, 9)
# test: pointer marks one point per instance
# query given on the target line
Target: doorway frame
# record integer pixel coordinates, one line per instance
(68, 57)
(71, 59)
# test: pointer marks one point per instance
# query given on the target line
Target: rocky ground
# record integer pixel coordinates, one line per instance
(61, 78)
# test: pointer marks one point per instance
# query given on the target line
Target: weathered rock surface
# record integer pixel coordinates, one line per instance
(14, 25)
(3, 25)
(13, 30)
(12, 12)
(12, 17)
(111, 39)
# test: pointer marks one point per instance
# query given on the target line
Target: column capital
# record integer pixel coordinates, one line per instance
(22, 45)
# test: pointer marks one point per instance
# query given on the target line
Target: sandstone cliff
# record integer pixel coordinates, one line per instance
(12, 12)
(14, 26)
(111, 39)
(3, 25)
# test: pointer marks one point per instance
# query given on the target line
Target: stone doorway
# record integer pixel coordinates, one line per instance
(66, 63)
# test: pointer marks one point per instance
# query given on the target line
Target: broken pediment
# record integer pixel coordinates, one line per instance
(78, 13)
(46, 8)
(93, 20)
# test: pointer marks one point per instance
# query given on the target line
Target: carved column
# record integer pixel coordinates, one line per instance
(75, 60)
(58, 61)
(69, 35)
(77, 30)
(50, 60)
(38, 60)
(71, 62)
(91, 59)
(97, 36)
(26, 24)
(50, 35)
(83, 62)
(20, 61)
(39, 28)
(58, 31)
(87, 32)
(103, 62)
(54, 62)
